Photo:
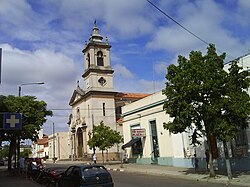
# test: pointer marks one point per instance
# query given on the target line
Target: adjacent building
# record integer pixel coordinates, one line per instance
(40, 146)
(59, 146)
(147, 142)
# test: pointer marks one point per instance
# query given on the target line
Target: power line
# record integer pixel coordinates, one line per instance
(190, 32)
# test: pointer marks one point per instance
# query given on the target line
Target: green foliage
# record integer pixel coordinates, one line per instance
(26, 152)
(236, 106)
(103, 137)
(5, 151)
(203, 96)
(33, 115)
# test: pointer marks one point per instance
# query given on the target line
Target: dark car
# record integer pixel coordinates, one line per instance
(1, 162)
(86, 175)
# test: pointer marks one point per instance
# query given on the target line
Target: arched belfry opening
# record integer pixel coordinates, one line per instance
(88, 60)
(100, 58)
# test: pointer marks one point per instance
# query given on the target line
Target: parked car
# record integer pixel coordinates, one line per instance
(1, 162)
(86, 175)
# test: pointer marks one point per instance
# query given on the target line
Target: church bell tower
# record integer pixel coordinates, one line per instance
(98, 75)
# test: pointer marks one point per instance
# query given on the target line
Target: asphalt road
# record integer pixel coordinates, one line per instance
(123, 179)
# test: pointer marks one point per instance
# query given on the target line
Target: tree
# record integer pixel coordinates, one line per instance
(236, 107)
(203, 96)
(33, 116)
(103, 137)
(4, 151)
(26, 152)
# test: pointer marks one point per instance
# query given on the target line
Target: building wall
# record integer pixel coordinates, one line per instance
(171, 146)
(59, 146)
(92, 80)
(95, 115)
(91, 113)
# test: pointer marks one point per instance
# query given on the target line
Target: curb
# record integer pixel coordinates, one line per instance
(111, 169)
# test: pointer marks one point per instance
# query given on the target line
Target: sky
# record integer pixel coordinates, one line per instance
(42, 41)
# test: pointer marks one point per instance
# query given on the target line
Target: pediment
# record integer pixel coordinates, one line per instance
(76, 96)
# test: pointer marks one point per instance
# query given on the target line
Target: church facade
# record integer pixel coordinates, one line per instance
(97, 101)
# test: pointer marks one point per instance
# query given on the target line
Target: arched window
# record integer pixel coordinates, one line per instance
(100, 58)
(88, 59)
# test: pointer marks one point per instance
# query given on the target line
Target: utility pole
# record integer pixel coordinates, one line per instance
(92, 131)
(54, 154)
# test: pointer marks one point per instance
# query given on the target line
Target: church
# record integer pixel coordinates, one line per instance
(96, 100)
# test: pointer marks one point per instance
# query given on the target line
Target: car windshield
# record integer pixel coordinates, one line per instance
(93, 170)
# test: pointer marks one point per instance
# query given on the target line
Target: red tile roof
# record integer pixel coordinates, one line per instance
(131, 95)
(42, 141)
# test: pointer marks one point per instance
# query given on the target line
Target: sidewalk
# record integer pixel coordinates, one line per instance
(185, 173)
(12, 181)
(242, 179)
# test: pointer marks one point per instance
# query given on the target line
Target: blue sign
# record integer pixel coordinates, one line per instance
(12, 121)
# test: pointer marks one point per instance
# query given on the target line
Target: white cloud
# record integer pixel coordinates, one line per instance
(243, 12)
(150, 86)
(198, 19)
(161, 68)
(128, 18)
(55, 69)
(122, 72)
(19, 21)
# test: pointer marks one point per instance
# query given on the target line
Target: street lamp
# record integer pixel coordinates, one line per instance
(18, 138)
(31, 83)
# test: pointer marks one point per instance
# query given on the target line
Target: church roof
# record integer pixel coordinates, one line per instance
(120, 95)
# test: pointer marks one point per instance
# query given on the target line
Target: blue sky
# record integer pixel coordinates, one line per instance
(42, 41)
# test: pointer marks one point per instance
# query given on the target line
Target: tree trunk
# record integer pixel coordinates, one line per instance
(11, 151)
(18, 151)
(228, 165)
(107, 158)
(102, 157)
(211, 166)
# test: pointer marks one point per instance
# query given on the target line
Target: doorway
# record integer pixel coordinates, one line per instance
(79, 143)
(154, 142)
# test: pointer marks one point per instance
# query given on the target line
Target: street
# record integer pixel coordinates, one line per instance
(125, 179)
(120, 178)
